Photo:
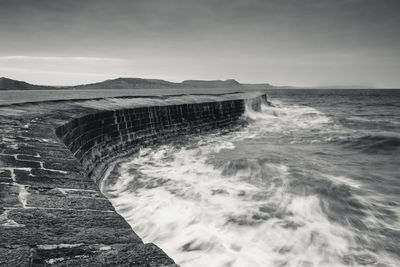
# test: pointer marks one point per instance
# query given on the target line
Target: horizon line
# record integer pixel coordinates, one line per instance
(354, 86)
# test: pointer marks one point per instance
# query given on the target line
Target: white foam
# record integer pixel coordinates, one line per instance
(340, 179)
(239, 212)
(201, 217)
(280, 116)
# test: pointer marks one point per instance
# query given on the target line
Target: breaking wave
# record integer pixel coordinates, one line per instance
(373, 143)
(262, 195)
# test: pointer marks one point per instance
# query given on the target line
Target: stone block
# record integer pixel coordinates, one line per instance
(52, 226)
(44, 178)
(10, 161)
(9, 196)
(5, 176)
(61, 199)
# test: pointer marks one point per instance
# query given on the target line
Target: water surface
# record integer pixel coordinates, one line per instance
(313, 180)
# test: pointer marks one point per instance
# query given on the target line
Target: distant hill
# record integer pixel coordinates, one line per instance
(213, 84)
(135, 83)
(226, 84)
(9, 84)
(130, 83)
(138, 83)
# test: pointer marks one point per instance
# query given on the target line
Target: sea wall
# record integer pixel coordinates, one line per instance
(51, 210)
(97, 139)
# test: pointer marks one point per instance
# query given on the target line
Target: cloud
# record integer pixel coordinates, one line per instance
(26, 70)
(53, 58)
(281, 41)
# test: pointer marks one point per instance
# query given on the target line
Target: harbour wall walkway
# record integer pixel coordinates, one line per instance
(53, 155)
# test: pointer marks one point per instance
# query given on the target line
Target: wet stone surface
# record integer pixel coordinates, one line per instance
(51, 212)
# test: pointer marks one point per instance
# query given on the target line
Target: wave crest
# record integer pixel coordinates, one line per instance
(373, 143)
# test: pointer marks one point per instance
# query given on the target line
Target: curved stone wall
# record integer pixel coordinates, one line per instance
(51, 211)
(97, 139)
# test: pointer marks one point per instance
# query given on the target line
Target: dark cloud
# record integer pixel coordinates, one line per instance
(282, 41)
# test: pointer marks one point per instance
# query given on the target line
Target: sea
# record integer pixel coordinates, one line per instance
(312, 179)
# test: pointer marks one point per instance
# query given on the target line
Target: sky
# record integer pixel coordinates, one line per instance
(283, 42)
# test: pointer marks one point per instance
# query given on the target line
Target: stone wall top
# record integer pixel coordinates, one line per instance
(50, 210)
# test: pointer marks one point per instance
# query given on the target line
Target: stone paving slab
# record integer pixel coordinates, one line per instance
(51, 212)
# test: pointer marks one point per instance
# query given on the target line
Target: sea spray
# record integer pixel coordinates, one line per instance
(284, 190)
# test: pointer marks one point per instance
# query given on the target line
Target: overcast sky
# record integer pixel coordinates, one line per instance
(283, 42)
